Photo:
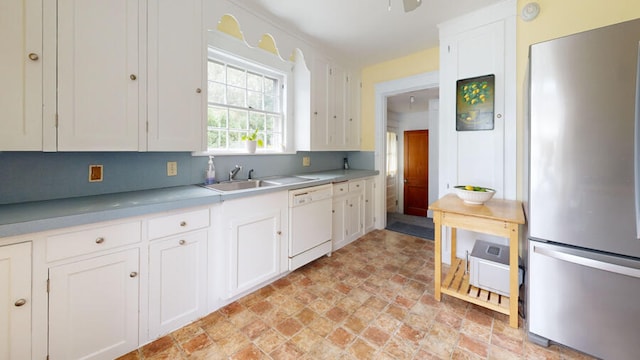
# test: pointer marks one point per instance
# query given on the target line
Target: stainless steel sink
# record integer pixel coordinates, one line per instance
(238, 185)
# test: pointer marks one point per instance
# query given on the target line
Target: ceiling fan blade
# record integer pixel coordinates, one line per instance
(410, 5)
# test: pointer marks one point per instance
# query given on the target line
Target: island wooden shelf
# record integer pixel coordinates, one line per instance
(495, 217)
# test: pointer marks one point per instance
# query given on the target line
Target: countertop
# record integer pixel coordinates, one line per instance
(31, 217)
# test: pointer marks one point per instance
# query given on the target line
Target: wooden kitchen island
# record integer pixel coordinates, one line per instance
(495, 217)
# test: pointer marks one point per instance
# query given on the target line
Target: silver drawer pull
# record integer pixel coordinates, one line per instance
(183, 223)
(182, 242)
(133, 274)
(99, 240)
(20, 302)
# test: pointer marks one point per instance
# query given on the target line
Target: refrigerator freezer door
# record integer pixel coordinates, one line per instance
(592, 307)
(583, 108)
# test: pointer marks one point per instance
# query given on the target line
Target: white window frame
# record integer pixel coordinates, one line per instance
(235, 52)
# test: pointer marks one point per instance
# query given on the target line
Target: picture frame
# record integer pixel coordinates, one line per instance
(475, 100)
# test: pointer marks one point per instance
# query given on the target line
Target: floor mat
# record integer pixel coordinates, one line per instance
(409, 229)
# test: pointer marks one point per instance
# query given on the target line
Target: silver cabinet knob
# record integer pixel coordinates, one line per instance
(198, 90)
(183, 223)
(20, 302)
(133, 77)
(33, 56)
(499, 116)
(133, 274)
(182, 242)
(279, 232)
(99, 240)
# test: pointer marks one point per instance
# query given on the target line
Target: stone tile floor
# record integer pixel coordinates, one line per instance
(372, 299)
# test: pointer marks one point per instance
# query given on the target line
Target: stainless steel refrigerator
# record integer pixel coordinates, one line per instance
(583, 204)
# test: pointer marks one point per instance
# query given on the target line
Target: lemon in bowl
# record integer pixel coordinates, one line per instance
(475, 195)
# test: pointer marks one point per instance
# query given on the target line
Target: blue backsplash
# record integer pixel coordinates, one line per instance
(34, 176)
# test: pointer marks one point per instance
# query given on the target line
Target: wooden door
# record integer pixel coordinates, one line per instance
(416, 172)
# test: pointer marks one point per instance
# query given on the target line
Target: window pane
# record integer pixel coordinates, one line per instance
(270, 103)
(215, 72)
(216, 92)
(236, 77)
(234, 139)
(217, 117)
(270, 86)
(238, 120)
(236, 96)
(254, 82)
(256, 121)
(254, 100)
(272, 123)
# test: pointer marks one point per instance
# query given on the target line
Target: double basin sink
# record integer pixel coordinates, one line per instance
(236, 185)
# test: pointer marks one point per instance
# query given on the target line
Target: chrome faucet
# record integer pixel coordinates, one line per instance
(234, 172)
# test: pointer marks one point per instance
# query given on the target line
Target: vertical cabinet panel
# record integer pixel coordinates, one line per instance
(177, 282)
(99, 79)
(94, 307)
(175, 68)
(21, 75)
(15, 301)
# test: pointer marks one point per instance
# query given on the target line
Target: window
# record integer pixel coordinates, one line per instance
(244, 97)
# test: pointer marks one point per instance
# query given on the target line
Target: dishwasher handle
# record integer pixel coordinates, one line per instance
(588, 262)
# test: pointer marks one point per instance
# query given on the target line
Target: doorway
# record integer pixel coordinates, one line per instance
(416, 172)
(392, 88)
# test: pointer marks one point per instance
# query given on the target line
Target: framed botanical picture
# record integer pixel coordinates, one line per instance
(474, 103)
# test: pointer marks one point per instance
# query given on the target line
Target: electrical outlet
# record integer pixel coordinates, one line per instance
(172, 168)
(306, 161)
(95, 173)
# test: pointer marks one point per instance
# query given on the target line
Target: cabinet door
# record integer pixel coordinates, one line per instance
(338, 225)
(177, 282)
(175, 72)
(355, 216)
(320, 129)
(99, 78)
(15, 301)
(255, 250)
(369, 204)
(93, 307)
(337, 106)
(21, 75)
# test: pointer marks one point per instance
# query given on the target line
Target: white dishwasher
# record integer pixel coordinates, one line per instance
(309, 224)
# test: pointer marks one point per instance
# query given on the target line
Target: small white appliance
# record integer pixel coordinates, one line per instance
(489, 267)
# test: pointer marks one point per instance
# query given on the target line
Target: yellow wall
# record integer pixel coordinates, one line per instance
(417, 63)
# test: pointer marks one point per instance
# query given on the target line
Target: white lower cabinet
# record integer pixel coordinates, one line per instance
(177, 281)
(15, 301)
(348, 212)
(93, 307)
(255, 230)
(369, 204)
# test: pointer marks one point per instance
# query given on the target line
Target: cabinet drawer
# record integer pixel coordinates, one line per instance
(355, 186)
(340, 188)
(178, 223)
(82, 242)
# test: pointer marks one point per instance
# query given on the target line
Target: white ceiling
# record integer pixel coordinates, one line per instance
(365, 32)
(402, 104)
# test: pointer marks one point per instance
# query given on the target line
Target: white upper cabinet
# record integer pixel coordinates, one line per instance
(175, 75)
(330, 125)
(102, 75)
(21, 75)
(100, 82)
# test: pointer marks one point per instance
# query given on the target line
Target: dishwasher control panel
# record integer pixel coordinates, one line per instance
(308, 195)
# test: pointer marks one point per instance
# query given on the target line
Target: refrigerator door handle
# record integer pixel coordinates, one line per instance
(585, 261)
(636, 147)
